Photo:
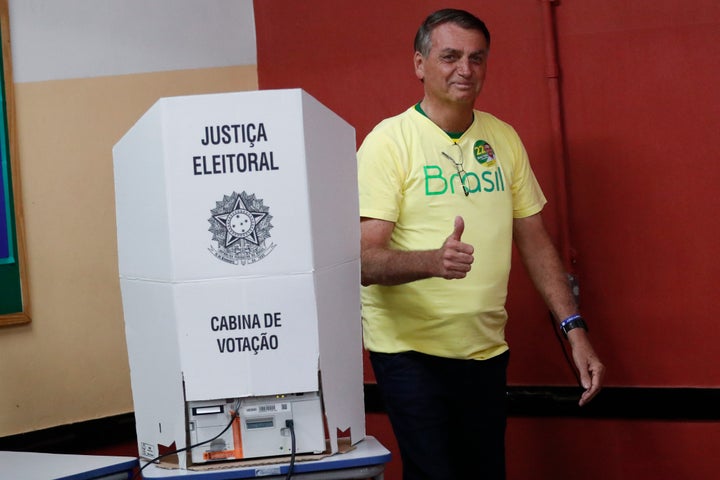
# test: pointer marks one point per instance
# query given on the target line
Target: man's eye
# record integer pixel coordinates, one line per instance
(449, 58)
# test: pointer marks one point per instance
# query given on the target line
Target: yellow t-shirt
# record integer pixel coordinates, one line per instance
(410, 174)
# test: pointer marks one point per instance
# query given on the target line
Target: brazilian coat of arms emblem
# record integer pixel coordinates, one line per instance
(240, 226)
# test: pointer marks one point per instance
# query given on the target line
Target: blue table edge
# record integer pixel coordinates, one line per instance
(125, 465)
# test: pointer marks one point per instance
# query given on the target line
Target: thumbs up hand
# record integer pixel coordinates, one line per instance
(455, 256)
(459, 228)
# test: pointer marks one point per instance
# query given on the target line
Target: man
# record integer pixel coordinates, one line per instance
(434, 304)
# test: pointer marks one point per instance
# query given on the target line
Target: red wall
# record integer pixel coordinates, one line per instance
(642, 111)
(643, 120)
(569, 449)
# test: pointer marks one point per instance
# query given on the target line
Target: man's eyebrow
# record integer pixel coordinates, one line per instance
(459, 51)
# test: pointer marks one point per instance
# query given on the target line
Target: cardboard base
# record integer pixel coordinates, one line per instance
(344, 446)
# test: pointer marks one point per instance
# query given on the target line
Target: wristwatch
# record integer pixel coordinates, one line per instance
(576, 321)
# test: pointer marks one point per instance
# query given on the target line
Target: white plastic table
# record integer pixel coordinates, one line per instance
(54, 466)
(366, 460)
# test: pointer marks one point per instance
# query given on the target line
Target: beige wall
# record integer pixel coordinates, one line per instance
(70, 364)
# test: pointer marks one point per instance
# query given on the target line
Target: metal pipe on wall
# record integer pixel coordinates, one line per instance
(552, 73)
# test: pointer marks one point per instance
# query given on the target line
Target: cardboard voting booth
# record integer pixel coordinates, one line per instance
(238, 249)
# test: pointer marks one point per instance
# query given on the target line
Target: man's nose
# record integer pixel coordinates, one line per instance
(463, 67)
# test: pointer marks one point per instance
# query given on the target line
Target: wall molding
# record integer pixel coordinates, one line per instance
(627, 403)
(76, 437)
(623, 403)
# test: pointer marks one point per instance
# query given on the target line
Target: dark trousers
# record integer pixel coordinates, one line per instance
(448, 415)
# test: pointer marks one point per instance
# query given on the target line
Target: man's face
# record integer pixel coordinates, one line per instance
(454, 69)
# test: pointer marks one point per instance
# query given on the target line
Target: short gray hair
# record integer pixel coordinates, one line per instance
(460, 18)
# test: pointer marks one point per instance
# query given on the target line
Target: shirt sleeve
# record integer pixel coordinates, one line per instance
(380, 176)
(528, 198)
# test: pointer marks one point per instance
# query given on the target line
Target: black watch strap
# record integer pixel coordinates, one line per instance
(573, 323)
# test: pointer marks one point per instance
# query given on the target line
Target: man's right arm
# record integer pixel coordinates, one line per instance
(383, 265)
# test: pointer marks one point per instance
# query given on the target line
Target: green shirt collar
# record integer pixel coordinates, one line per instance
(453, 135)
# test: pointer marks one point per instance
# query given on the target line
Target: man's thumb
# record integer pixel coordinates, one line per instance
(459, 228)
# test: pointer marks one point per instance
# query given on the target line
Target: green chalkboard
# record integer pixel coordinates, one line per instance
(13, 284)
(10, 280)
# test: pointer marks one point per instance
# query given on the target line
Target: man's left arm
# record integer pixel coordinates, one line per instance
(549, 277)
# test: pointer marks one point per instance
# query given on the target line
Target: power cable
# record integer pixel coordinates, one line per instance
(291, 425)
(233, 416)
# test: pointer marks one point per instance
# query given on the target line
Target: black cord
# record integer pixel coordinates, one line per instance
(290, 424)
(233, 415)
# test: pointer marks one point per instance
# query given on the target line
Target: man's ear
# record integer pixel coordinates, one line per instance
(419, 62)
